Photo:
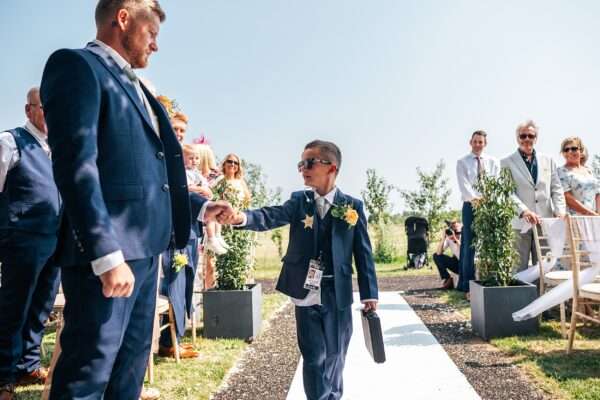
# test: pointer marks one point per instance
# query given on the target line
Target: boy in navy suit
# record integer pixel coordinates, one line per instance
(327, 228)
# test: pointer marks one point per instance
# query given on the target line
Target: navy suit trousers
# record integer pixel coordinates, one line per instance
(466, 271)
(105, 341)
(323, 336)
(27, 292)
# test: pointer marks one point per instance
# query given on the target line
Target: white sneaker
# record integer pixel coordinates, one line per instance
(213, 245)
(222, 242)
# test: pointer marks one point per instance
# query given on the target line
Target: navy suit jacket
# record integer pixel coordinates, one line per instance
(346, 241)
(123, 185)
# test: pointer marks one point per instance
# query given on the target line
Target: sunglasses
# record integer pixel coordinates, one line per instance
(309, 162)
(232, 162)
(529, 136)
(568, 149)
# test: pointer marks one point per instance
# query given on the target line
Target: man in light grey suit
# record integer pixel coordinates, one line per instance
(539, 193)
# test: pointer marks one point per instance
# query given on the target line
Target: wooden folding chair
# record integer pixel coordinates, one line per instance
(584, 296)
(58, 308)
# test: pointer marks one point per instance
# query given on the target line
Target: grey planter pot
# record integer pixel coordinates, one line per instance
(232, 314)
(492, 308)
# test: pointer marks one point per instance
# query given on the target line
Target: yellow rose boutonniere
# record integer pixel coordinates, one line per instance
(180, 260)
(346, 213)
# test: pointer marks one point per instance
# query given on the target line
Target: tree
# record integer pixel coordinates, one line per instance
(431, 199)
(596, 166)
(377, 198)
(377, 202)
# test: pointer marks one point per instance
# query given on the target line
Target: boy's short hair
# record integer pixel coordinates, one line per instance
(328, 150)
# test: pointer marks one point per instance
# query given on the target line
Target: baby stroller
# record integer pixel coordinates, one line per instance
(417, 233)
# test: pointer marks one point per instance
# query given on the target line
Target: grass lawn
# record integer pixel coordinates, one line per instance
(191, 379)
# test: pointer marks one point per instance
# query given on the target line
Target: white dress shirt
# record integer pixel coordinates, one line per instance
(467, 173)
(9, 153)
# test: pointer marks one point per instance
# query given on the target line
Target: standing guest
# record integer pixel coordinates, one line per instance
(179, 121)
(582, 190)
(121, 208)
(444, 263)
(327, 228)
(233, 174)
(29, 219)
(468, 171)
(539, 193)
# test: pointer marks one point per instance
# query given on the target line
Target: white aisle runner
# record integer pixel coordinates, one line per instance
(417, 366)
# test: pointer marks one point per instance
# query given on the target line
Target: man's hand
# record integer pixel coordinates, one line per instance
(118, 282)
(220, 211)
(531, 217)
(237, 219)
(475, 201)
(370, 306)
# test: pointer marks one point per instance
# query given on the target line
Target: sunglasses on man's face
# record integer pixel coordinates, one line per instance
(569, 149)
(529, 136)
(232, 162)
(309, 162)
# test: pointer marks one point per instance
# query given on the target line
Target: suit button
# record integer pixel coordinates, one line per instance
(165, 187)
(160, 155)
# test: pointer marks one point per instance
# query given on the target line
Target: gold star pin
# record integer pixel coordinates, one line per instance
(308, 222)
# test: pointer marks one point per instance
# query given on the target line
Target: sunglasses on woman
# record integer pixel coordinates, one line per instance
(569, 149)
(232, 162)
(309, 162)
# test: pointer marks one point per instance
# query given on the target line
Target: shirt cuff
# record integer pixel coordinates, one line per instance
(366, 300)
(108, 262)
(203, 210)
(243, 223)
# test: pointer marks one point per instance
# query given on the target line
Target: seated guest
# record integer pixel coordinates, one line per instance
(582, 190)
(450, 239)
(538, 193)
(29, 219)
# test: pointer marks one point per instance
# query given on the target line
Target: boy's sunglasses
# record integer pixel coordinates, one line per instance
(309, 162)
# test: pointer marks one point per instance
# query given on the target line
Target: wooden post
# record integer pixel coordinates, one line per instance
(575, 269)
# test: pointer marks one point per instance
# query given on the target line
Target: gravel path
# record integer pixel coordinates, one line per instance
(268, 366)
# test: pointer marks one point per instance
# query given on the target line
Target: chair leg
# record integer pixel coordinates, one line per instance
(173, 330)
(151, 368)
(563, 320)
(55, 355)
(194, 327)
(573, 327)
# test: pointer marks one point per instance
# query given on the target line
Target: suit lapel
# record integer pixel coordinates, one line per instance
(518, 161)
(124, 81)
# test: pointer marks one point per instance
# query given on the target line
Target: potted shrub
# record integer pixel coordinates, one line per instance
(496, 295)
(233, 309)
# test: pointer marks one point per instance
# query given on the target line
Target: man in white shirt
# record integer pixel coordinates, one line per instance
(468, 171)
(29, 220)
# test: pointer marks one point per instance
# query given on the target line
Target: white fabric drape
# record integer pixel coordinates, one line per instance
(589, 228)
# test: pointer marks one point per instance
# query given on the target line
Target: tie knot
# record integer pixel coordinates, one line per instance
(130, 74)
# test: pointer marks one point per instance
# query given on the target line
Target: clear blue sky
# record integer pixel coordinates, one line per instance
(397, 84)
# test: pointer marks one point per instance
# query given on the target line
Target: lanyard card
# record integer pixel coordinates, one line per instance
(314, 275)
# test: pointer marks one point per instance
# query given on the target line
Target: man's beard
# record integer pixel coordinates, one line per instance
(137, 58)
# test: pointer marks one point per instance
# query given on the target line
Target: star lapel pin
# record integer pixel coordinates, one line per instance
(308, 222)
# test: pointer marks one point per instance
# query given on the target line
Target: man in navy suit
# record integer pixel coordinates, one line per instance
(327, 228)
(29, 220)
(119, 169)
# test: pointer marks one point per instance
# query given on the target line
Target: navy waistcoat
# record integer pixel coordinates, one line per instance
(324, 245)
(30, 201)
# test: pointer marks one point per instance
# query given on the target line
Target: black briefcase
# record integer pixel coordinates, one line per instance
(373, 335)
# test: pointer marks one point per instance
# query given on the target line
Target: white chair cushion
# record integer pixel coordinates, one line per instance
(590, 290)
(558, 275)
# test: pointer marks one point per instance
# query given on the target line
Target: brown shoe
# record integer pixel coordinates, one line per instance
(36, 377)
(7, 392)
(448, 284)
(183, 352)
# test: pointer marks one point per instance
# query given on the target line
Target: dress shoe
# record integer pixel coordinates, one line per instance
(183, 352)
(7, 392)
(35, 377)
(150, 394)
(448, 284)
